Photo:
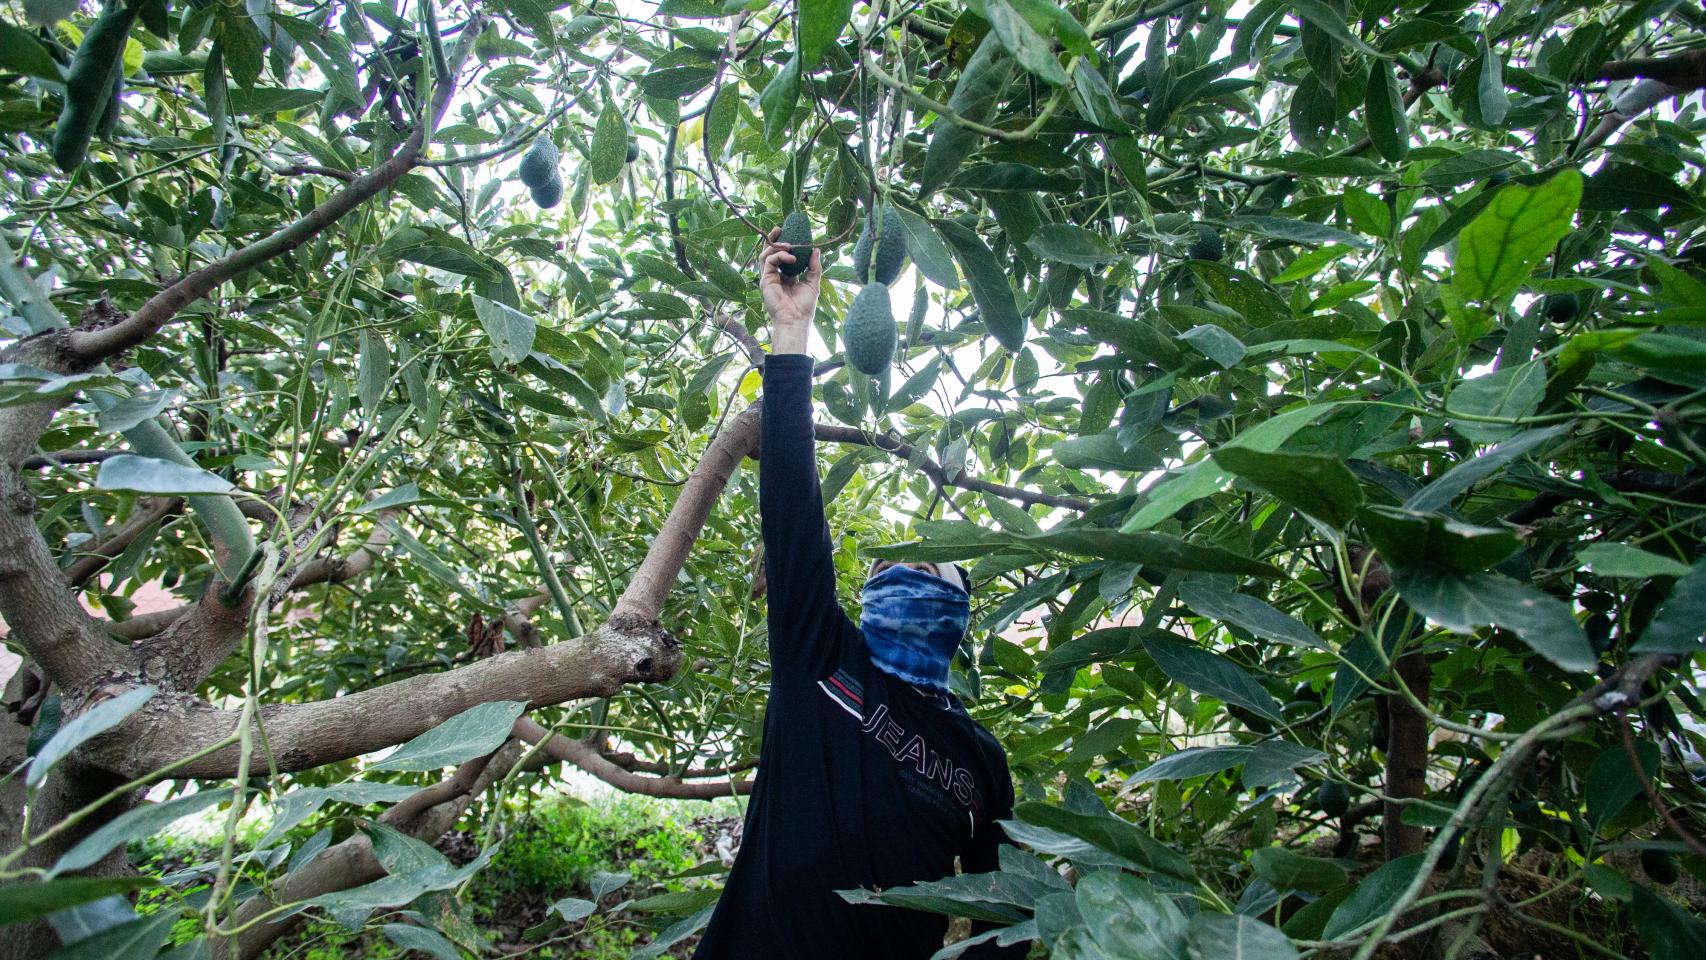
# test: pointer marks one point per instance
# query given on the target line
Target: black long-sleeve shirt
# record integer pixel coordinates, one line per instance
(862, 780)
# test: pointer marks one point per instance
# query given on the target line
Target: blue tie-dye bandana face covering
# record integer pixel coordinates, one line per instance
(913, 622)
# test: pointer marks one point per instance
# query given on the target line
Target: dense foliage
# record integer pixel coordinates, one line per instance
(1314, 388)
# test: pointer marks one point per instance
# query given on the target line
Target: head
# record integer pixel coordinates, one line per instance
(915, 615)
(951, 572)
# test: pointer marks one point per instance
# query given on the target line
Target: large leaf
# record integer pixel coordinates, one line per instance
(1508, 393)
(608, 154)
(1679, 626)
(1149, 548)
(1317, 485)
(1496, 252)
(1207, 672)
(140, 939)
(90, 723)
(22, 900)
(1112, 834)
(1192, 762)
(1375, 894)
(472, 733)
(1222, 936)
(127, 471)
(821, 22)
(1287, 869)
(988, 281)
(510, 330)
(1455, 482)
(1253, 614)
(1463, 602)
(144, 820)
(1070, 244)
(1128, 918)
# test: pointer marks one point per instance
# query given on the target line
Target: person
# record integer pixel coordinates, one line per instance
(871, 775)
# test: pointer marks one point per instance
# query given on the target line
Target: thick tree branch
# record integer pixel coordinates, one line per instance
(92, 558)
(902, 450)
(586, 757)
(1686, 70)
(96, 345)
(643, 599)
(172, 726)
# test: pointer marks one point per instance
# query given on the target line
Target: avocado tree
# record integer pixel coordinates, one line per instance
(1314, 389)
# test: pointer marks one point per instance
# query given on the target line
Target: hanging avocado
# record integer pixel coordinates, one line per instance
(1208, 245)
(549, 193)
(868, 334)
(633, 150)
(797, 234)
(539, 165)
(89, 84)
(1335, 798)
(1659, 866)
(890, 250)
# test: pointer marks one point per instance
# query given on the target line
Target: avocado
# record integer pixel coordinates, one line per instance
(890, 256)
(633, 151)
(539, 165)
(868, 333)
(1334, 797)
(1560, 308)
(797, 234)
(549, 193)
(1659, 866)
(1208, 245)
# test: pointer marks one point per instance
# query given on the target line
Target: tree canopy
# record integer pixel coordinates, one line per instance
(1314, 389)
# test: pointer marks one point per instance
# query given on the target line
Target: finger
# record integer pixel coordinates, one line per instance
(773, 234)
(814, 270)
(776, 258)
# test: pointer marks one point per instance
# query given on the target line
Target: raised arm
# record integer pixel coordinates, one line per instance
(798, 559)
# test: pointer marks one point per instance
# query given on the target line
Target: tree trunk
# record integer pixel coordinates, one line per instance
(1406, 755)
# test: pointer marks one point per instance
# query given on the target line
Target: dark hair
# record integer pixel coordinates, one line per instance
(965, 577)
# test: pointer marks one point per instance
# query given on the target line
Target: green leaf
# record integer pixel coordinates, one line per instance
(263, 100)
(821, 23)
(1497, 252)
(1677, 627)
(988, 281)
(127, 471)
(143, 820)
(1388, 124)
(1033, 51)
(1192, 762)
(1112, 834)
(373, 377)
(1668, 931)
(1611, 783)
(1224, 936)
(1296, 231)
(574, 908)
(430, 942)
(720, 120)
(472, 733)
(1127, 917)
(400, 496)
(608, 154)
(1417, 539)
(1463, 602)
(90, 723)
(1317, 485)
(776, 102)
(1375, 895)
(1210, 673)
(1213, 342)
(1069, 244)
(1490, 92)
(1288, 870)
(24, 900)
(140, 939)
(1154, 549)
(1324, 18)
(510, 330)
(1627, 560)
(299, 804)
(124, 414)
(1253, 614)
(22, 53)
(928, 252)
(1439, 494)
(1276, 761)
(1103, 451)
(1512, 393)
